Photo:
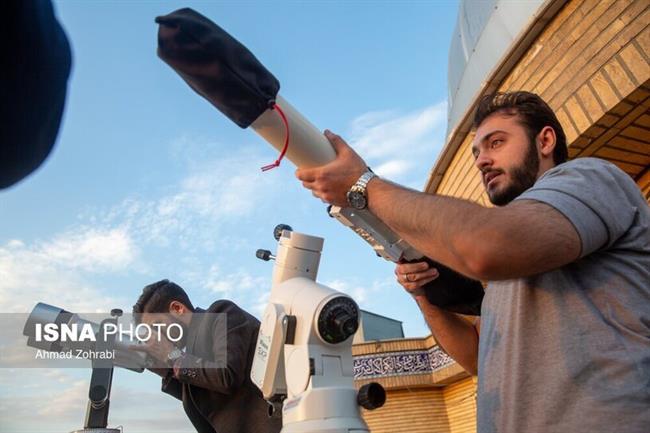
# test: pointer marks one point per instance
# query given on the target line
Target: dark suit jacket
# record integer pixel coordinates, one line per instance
(218, 394)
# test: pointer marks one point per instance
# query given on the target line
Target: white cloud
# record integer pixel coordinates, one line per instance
(239, 285)
(43, 397)
(387, 134)
(216, 191)
(191, 215)
(55, 400)
(396, 143)
(53, 271)
(393, 169)
(91, 249)
(228, 283)
(69, 402)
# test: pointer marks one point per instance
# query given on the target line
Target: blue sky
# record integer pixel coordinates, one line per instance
(149, 181)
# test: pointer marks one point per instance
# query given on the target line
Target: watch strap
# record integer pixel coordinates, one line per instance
(362, 183)
(174, 355)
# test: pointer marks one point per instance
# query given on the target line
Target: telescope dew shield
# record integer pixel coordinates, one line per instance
(216, 65)
(42, 314)
(223, 71)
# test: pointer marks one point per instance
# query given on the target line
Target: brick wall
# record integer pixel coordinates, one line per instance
(592, 65)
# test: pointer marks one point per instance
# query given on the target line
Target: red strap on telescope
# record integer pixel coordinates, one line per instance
(286, 140)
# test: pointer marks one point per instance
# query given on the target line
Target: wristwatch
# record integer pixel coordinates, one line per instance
(357, 196)
(174, 355)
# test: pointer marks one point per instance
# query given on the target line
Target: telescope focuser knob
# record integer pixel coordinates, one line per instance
(371, 396)
(264, 255)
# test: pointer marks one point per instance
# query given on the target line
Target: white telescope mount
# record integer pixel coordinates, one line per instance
(303, 361)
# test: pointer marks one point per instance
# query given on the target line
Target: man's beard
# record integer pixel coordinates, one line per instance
(523, 177)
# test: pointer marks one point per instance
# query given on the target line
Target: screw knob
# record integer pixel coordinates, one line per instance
(264, 255)
(371, 396)
(277, 231)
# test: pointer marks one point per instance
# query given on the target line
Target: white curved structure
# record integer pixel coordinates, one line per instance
(489, 38)
(484, 32)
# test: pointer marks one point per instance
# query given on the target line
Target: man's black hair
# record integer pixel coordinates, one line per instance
(533, 113)
(156, 297)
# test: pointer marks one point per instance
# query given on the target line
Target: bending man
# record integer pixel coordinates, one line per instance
(208, 369)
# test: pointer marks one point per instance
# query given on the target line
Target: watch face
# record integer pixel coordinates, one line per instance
(357, 200)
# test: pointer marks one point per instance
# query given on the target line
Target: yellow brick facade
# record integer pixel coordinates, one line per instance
(439, 401)
(591, 63)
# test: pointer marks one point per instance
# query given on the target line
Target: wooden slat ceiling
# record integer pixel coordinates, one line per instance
(626, 142)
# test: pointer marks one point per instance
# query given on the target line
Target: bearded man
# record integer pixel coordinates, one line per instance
(563, 341)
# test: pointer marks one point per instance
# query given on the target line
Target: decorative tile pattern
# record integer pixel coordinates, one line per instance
(400, 363)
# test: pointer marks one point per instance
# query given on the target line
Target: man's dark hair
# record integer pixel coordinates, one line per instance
(533, 113)
(156, 297)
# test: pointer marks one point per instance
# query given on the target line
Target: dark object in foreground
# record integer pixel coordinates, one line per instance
(36, 65)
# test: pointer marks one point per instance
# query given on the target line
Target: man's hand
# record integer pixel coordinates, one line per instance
(455, 335)
(413, 276)
(332, 181)
(158, 350)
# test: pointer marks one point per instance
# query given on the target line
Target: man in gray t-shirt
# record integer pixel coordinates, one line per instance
(568, 350)
(563, 342)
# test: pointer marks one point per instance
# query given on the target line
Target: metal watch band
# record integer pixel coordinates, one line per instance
(174, 355)
(362, 183)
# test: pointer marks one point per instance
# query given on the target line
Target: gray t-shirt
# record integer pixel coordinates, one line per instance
(569, 350)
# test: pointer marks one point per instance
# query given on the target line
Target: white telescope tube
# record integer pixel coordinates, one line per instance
(308, 147)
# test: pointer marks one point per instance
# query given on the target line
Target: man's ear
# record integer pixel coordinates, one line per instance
(546, 141)
(176, 307)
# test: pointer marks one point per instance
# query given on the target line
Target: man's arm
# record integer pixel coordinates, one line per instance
(523, 238)
(456, 336)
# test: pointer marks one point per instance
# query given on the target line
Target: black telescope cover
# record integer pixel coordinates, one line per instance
(216, 65)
